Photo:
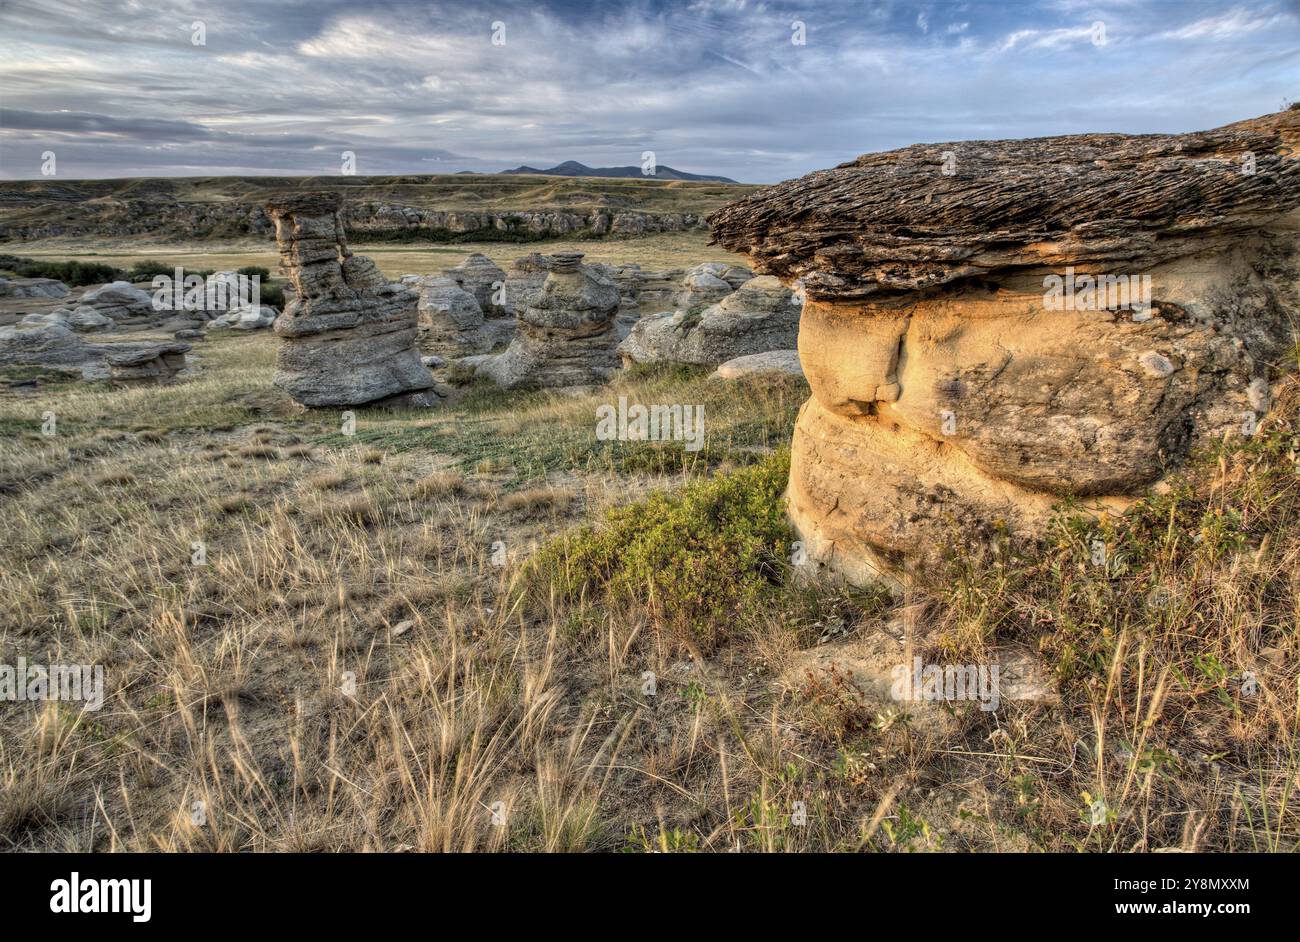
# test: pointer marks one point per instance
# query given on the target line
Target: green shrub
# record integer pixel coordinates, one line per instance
(272, 295)
(255, 271)
(696, 558)
(147, 269)
(72, 273)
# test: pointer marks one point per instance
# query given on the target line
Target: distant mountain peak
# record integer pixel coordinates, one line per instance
(572, 168)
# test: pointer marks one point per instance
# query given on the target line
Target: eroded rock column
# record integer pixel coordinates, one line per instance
(349, 336)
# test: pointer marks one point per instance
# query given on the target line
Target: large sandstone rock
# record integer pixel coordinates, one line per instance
(954, 380)
(86, 319)
(55, 346)
(565, 335)
(761, 315)
(702, 286)
(485, 280)
(348, 334)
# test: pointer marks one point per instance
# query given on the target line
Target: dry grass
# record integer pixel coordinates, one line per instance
(355, 664)
(652, 252)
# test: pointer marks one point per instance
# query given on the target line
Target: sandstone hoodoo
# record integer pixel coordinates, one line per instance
(565, 334)
(348, 335)
(760, 316)
(992, 325)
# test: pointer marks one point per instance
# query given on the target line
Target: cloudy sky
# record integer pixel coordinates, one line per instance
(124, 87)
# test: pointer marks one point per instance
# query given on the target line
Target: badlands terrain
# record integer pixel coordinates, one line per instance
(430, 606)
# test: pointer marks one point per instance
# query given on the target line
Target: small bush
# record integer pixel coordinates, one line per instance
(72, 273)
(696, 557)
(148, 269)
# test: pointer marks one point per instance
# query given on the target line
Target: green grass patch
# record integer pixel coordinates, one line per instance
(696, 558)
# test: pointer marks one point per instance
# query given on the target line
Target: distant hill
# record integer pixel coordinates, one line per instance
(571, 168)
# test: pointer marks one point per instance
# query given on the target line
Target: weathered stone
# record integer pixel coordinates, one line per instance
(40, 320)
(246, 318)
(450, 319)
(956, 384)
(527, 275)
(565, 336)
(348, 335)
(758, 317)
(55, 346)
(86, 319)
(754, 364)
(702, 286)
(118, 300)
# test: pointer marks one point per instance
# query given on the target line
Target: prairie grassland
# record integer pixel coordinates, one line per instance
(481, 629)
(652, 252)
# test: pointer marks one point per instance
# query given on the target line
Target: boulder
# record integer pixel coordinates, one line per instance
(481, 277)
(245, 318)
(86, 319)
(565, 335)
(450, 319)
(992, 326)
(32, 288)
(628, 280)
(118, 300)
(348, 335)
(760, 316)
(755, 364)
(40, 320)
(702, 286)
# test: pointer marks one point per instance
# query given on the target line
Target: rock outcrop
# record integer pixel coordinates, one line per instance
(348, 334)
(565, 335)
(760, 316)
(993, 325)
(54, 345)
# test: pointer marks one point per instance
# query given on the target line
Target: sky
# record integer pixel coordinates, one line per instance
(756, 91)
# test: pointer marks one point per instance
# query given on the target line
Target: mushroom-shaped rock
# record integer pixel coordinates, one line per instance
(565, 335)
(991, 325)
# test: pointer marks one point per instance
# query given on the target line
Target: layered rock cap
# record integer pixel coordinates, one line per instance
(992, 325)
